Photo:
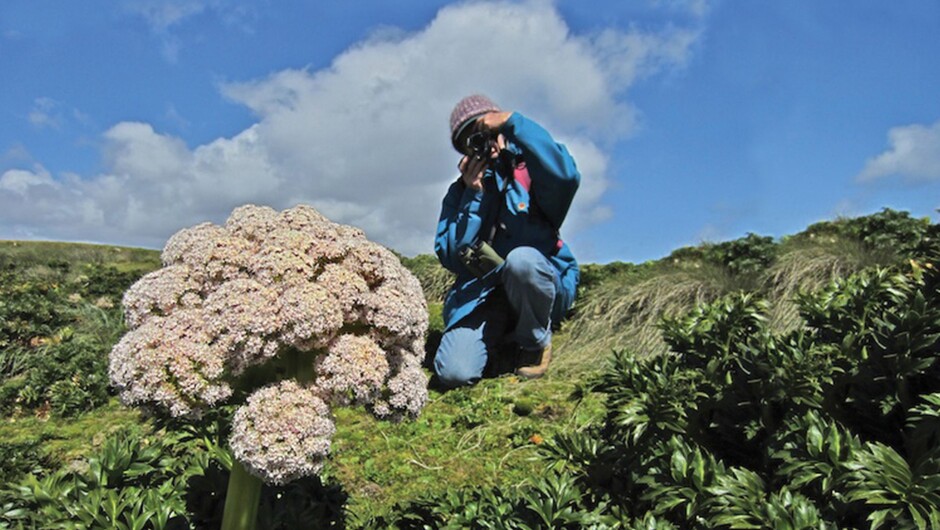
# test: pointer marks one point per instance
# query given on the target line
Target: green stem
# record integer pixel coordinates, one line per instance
(244, 489)
(767, 417)
(300, 365)
(904, 394)
(242, 499)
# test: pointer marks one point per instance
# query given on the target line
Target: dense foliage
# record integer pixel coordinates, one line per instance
(56, 327)
(173, 479)
(833, 426)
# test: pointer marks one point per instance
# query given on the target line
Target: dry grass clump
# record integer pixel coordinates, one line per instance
(622, 311)
(435, 279)
(808, 265)
(621, 314)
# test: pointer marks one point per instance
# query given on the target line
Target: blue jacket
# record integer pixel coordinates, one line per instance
(527, 217)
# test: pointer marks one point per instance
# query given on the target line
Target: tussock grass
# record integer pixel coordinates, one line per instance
(622, 311)
(435, 279)
(105, 325)
(12, 362)
(808, 265)
(619, 314)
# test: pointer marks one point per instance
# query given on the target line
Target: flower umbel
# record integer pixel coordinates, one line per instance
(265, 287)
(282, 433)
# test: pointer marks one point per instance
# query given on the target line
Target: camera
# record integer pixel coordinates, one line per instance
(479, 145)
(480, 258)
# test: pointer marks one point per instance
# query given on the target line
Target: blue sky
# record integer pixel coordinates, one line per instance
(124, 121)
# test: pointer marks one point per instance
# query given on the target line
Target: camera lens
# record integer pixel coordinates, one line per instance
(477, 144)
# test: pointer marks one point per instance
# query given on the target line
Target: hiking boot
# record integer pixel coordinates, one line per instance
(537, 370)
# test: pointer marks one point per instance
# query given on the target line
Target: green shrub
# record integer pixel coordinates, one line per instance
(105, 280)
(678, 482)
(30, 311)
(746, 256)
(887, 231)
(895, 490)
(53, 340)
(69, 377)
(21, 457)
(128, 483)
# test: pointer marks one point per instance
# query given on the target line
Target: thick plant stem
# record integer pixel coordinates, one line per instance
(244, 489)
(241, 501)
(300, 365)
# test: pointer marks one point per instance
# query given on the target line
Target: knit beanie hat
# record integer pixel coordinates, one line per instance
(467, 110)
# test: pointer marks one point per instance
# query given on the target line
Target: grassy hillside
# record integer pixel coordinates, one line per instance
(60, 316)
(28, 254)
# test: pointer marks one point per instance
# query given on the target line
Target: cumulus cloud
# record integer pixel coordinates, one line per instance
(365, 140)
(914, 154)
(18, 181)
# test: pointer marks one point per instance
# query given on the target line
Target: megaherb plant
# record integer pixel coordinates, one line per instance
(833, 426)
(283, 315)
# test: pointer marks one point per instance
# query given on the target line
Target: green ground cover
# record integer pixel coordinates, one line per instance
(484, 446)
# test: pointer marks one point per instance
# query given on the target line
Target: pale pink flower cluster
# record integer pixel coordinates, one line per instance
(354, 369)
(171, 362)
(282, 432)
(237, 296)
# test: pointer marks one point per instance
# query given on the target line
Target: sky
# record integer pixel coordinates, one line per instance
(691, 121)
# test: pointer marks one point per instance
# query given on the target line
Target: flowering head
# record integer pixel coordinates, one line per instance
(264, 288)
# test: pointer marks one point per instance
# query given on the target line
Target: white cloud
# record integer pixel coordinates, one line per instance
(914, 154)
(634, 55)
(173, 117)
(365, 140)
(19, 182)
(46, 113)
(163, 14)
(49, 113)
(698, 8)
(17, 153)
(165, 17)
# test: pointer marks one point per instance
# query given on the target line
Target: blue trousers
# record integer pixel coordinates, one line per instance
(526, 298)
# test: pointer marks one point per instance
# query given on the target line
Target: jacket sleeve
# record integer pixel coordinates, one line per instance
(555, 177)
(458, 225)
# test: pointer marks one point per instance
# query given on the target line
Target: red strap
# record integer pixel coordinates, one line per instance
(521, 174)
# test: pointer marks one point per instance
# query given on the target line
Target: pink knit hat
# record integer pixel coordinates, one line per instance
(467, 110)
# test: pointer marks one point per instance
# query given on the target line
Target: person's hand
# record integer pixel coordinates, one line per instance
(471, 172)
(492, 121)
